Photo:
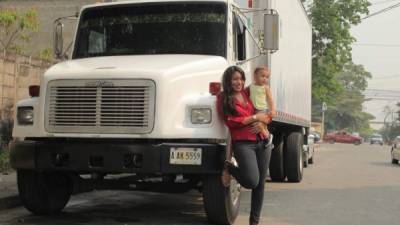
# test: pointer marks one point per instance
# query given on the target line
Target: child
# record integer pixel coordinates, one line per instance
(260, 94)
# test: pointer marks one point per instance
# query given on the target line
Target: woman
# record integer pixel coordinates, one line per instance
(249, 146)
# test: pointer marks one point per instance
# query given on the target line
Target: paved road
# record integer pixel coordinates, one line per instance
(347, 185)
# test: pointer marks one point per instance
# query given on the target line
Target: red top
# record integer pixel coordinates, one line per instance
(238, 130)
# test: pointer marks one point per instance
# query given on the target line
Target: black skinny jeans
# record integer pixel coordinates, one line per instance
(253, 162)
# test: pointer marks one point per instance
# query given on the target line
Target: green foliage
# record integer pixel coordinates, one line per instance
(336, 80)
(16, 28)
(391, 128)
(347, 112)
(367, 133)
(4, 160)
(398, 111)
(332, 20)
(46, 54)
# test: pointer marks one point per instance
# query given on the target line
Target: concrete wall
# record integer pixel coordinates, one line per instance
(48, 11)
(17, 73)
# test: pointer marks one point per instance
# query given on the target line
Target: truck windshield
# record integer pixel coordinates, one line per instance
(173, 28)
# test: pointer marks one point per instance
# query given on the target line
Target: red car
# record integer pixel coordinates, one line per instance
(342, 137)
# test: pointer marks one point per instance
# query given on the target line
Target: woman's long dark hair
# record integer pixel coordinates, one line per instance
(227, 91)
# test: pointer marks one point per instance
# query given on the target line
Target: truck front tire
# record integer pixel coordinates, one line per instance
(294, 157)
(220, 203)
(277, 166)
(44, 193)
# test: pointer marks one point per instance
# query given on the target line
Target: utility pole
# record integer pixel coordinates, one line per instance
(324, 108)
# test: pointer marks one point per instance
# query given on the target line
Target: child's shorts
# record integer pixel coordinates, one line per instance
(264, 110)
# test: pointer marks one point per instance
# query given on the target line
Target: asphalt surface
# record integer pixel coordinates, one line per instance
(347, 185)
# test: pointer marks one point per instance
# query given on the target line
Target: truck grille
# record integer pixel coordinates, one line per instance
(100, 106)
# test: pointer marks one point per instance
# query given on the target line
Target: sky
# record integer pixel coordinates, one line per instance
(378, 49)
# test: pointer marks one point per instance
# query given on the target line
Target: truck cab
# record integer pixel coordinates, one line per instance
(133, 106)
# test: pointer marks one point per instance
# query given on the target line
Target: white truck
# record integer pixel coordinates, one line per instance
(133, 106)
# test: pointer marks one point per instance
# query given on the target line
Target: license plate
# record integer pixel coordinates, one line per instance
(185, 156)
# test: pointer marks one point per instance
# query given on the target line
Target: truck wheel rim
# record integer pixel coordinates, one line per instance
(234, 189)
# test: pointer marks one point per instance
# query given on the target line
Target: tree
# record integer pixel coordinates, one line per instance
(332, 20)
(398, 111)
(347, 112)
(16, 28)
(391, 128)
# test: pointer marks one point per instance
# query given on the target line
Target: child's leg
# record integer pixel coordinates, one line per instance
(264, 132)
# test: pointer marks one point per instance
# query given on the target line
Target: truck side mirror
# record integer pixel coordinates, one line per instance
(271, 32)
(58, 39)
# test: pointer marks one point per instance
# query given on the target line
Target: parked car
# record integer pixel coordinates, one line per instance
(317, 137)
(396, 150)
(356, 134)
(308, 157)
(376, 139)
(342, 137)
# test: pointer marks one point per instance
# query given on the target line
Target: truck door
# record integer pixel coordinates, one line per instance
(240, 44)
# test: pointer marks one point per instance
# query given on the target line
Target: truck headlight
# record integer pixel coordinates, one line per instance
(201, 116)
(25, 115)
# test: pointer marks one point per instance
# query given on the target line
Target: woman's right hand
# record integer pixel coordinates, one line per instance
(263, 117)
(257, 127)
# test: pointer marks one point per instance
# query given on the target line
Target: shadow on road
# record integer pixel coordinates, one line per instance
(384, 164)
(110, 208)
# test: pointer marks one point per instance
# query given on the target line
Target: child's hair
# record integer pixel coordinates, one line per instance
(259, 69)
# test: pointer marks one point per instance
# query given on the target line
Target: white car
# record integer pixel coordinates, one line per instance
(376, 139)
(396, 150)
(308, 157)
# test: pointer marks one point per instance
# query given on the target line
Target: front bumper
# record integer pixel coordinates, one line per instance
(107, 156)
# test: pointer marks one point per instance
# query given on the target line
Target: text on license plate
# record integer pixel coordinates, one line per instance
(185, 156)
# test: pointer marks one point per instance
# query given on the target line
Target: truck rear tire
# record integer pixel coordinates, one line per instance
(221, 203)
(294, 157)
(277, 164)
(44, 193)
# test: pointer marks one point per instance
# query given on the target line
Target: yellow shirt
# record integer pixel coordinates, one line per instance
(258, 97)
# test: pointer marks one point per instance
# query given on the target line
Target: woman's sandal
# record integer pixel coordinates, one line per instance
(226, 176)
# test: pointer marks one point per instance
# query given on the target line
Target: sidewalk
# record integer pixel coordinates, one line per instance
(8, 190)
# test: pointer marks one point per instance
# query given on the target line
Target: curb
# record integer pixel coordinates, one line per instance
(9, 202)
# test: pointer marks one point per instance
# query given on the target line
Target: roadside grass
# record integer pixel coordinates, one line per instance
(4, 160)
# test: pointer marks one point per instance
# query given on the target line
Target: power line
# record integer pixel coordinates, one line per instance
(382, 11)
(377, 45)
(382, 2)
(382, 94)
(381, 99)
(381, 90)
(386, 77)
